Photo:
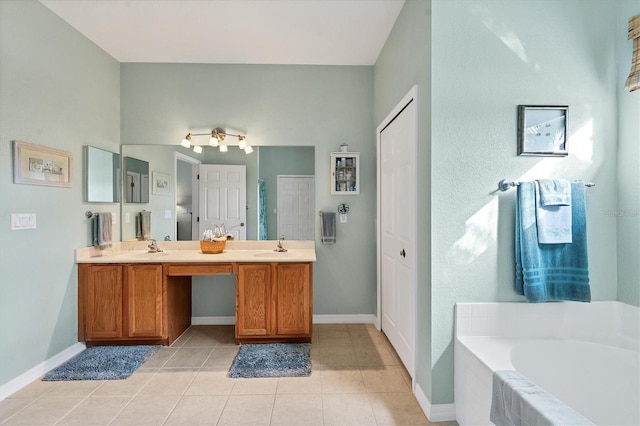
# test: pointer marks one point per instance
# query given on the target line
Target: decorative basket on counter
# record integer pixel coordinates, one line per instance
(212, 247)
(213, 240)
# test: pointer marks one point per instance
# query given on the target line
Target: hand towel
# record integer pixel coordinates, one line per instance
(143, 225)
(328, 225)
(516, 400)
(553, 212)
(102, 230)
(547, 272)
(554, 192)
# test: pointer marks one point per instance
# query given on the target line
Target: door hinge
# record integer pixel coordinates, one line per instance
(198, 176)
(198, 219)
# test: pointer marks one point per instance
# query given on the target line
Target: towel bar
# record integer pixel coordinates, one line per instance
(504, 184)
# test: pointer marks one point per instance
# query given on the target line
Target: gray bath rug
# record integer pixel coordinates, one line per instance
(272, 360)
(103, 363)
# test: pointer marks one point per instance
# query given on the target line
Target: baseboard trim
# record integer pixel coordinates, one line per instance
(39, 370)
(345, 319)
(434, 412)
(317, 319)
(213, 320)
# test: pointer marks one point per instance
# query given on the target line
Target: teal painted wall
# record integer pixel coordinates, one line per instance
(405, 61)
(61, 91)
(628, 179)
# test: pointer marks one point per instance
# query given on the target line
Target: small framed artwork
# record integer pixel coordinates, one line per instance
(542, 130)
(39, 165)
(161, 184)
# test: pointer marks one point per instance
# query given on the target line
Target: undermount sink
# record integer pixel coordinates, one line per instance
(141, 254)
(278, 254)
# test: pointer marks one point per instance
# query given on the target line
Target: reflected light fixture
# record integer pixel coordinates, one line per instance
(633, 81)
(216, 138)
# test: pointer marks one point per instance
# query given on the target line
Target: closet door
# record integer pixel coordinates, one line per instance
(397, 232)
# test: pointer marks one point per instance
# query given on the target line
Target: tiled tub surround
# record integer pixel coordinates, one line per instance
(585, 354)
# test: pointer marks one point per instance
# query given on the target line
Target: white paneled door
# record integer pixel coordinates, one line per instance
(223, 198)
(296, 207)
(397, 142)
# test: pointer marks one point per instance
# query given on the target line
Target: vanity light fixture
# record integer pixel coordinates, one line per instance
(186, 142)
(633, 81)
(216, 139)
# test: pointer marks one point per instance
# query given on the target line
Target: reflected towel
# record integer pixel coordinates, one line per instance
(547, 272)
(328, 225)
(143, 225)
(553, 212)
(102, 230)
(515, 400)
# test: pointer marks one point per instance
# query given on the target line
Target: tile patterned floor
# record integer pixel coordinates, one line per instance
(357, 379)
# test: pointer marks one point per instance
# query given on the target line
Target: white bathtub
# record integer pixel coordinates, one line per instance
(585, 354)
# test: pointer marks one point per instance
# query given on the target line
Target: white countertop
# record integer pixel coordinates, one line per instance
(189, 251)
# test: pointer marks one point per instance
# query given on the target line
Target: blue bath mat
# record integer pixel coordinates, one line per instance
(272, 360)
(103, 363)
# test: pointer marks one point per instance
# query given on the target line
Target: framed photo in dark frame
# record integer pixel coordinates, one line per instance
(542, 130)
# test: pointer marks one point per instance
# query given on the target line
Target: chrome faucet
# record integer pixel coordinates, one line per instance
(280, 249)
(153, 247)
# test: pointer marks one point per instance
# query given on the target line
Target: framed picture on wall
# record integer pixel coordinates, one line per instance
(161, 184)
(40, 165)
(542, 130)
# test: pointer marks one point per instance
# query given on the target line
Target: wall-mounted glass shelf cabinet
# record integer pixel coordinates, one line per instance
(345, 173)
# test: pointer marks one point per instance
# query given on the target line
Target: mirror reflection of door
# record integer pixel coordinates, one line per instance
(296, 207)
(132, 187)
(223, 198)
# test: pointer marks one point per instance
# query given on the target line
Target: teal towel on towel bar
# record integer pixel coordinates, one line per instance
(546, 272)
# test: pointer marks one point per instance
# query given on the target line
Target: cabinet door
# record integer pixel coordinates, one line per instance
(254, 304)
(293, 290)
(103, 302)
(144, 300)
(345, 173)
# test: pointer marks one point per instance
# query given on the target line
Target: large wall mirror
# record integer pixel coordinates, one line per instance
(173, 214)
(102, 175)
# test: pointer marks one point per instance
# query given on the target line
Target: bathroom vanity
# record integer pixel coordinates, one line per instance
(127, 295)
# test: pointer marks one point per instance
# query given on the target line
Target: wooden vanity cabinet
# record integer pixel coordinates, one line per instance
(120, 302)
(274, 301)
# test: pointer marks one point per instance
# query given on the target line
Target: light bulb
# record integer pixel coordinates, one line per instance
(197, 149)
(213, 141)
(248, 149)
(242, 142)
(186, 142)
(223, 148)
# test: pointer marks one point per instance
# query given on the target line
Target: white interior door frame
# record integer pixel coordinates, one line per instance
(411, 96)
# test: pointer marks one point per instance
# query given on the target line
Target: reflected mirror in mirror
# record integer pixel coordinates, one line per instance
(136, 180)
(102, 175)
(175, 216)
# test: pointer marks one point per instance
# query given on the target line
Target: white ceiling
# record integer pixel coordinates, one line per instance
(310, 32)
